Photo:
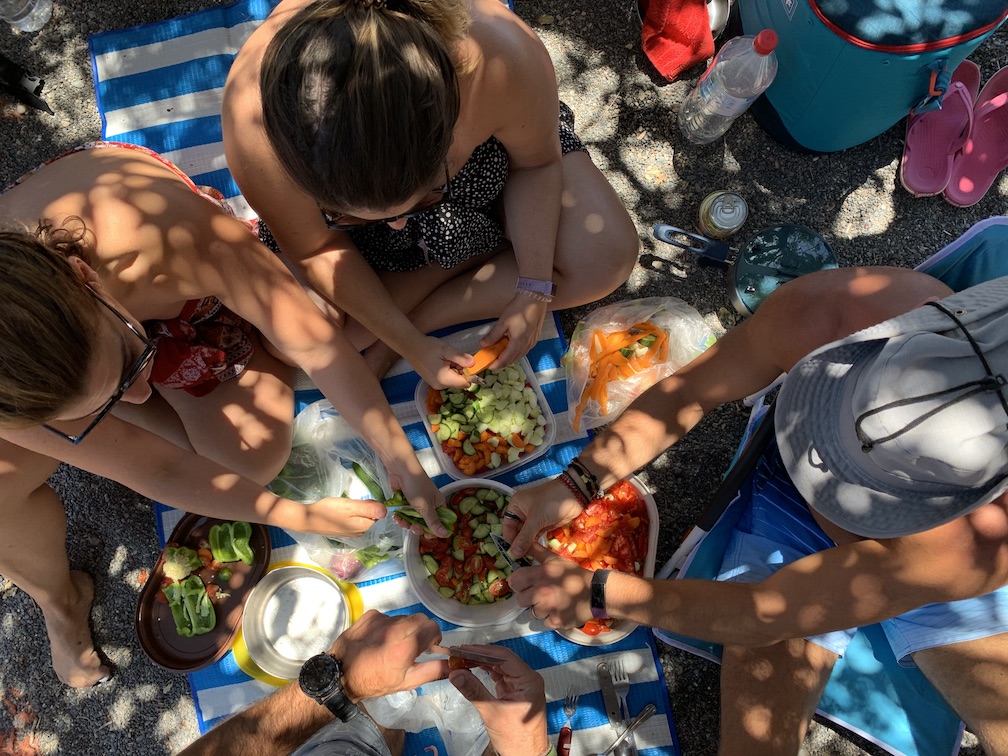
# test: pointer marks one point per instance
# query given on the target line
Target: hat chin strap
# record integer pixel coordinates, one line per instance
(989, 383)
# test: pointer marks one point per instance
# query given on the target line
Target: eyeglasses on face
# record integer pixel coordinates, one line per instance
(347, 222)
(129, 376)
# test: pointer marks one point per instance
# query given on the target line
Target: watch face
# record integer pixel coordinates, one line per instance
(318, 674)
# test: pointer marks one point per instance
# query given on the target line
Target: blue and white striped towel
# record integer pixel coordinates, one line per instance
(160, 86)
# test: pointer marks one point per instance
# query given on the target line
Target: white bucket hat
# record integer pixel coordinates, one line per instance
(903, 426)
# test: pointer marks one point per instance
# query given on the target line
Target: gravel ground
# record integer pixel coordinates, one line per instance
(626, 114)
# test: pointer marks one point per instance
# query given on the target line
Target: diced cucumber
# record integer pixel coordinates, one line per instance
(446, 591)
(478, 509)
(468, 448)
(553, 543)
(431, 564)
(458, 554)
(467, 503)
(492, 519)
(490, 549)
(497, 529)
(481, 531)
(475, 589)
(434, 583)
(443, 433)
(513, 454)
(495, 460)
(493, 575)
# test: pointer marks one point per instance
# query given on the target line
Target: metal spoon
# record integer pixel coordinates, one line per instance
(646, 712)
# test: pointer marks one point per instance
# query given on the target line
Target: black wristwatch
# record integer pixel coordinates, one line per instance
(322, 678)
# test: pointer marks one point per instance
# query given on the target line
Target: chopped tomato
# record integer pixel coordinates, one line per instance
(611, 532)
(443, 576)
(457, 662)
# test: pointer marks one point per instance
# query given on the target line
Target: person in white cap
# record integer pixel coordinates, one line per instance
(883, 500)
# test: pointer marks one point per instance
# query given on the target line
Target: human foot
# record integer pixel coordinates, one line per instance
(74, 657)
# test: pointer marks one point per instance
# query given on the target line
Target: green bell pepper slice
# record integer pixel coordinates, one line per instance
(198, 607)
(221, 543)
(241, 534)
(173, 592)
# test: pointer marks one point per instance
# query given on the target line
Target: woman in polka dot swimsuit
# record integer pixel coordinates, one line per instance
(412, 161)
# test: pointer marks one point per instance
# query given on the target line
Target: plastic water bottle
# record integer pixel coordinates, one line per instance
(739, 73)
(26, 15)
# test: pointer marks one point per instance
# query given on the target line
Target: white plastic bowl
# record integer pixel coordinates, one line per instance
(467, 615)
(622, 628)
(446, 462)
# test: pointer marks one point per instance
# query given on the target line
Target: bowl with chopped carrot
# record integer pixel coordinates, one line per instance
(500, 422)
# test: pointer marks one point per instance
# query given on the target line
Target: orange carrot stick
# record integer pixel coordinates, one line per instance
(485, 356)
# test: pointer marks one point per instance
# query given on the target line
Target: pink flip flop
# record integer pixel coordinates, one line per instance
(934, 137)
(985, 153)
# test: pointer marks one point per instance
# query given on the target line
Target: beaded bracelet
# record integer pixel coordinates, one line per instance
(592, 487)
(533, 287)
(566, 479)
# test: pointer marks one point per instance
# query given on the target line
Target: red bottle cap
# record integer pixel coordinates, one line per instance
(765, 42)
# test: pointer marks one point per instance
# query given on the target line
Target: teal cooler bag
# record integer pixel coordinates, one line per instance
(848, 70)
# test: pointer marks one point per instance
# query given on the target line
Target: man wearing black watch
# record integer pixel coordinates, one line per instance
(321, 678)
(377, 656)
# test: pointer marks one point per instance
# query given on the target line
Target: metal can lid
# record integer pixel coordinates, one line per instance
(728, 210)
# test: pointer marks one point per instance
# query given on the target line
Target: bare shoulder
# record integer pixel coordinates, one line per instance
(821, 307)
(506, 52)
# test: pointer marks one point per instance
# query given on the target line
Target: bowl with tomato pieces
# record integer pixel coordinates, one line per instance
(616, 532)
(463, 578)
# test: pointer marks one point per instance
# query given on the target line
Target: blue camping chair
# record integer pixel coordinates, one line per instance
(868, 692)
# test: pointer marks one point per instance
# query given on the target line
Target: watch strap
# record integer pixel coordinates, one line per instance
(342, 707)
(598, 601)
(542, 290)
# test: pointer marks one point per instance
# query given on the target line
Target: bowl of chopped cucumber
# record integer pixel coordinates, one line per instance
(500, 422)
(463, 578)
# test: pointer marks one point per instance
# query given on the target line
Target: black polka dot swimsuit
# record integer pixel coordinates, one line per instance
(457, 229)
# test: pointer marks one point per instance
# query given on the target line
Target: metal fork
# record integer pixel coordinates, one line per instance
(621, 682)
(570, 707)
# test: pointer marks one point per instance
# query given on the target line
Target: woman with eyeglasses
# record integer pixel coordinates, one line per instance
(413, 160)
(147, 336)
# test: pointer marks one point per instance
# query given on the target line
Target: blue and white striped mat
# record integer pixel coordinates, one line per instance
(160, 86)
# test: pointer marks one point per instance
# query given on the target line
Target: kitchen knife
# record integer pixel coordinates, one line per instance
(609, 697)
(504, 546)
(463, 653)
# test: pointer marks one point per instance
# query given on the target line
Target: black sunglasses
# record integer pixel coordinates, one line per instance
(129, 378)
(347, 222)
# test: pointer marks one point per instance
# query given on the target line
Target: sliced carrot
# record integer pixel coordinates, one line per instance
(485, 356)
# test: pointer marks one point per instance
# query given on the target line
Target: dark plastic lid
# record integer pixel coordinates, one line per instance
(893, 25)
(765, 42)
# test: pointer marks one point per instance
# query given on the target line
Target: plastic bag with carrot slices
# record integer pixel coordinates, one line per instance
(621, 350)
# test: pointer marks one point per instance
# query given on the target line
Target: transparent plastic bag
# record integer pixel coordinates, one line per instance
(621, 350)
(439, 704)
(324, 453)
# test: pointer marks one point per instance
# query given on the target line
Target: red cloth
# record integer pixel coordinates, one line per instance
(676, 35)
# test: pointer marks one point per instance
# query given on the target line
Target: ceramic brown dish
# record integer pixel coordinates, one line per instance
(154, 624)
